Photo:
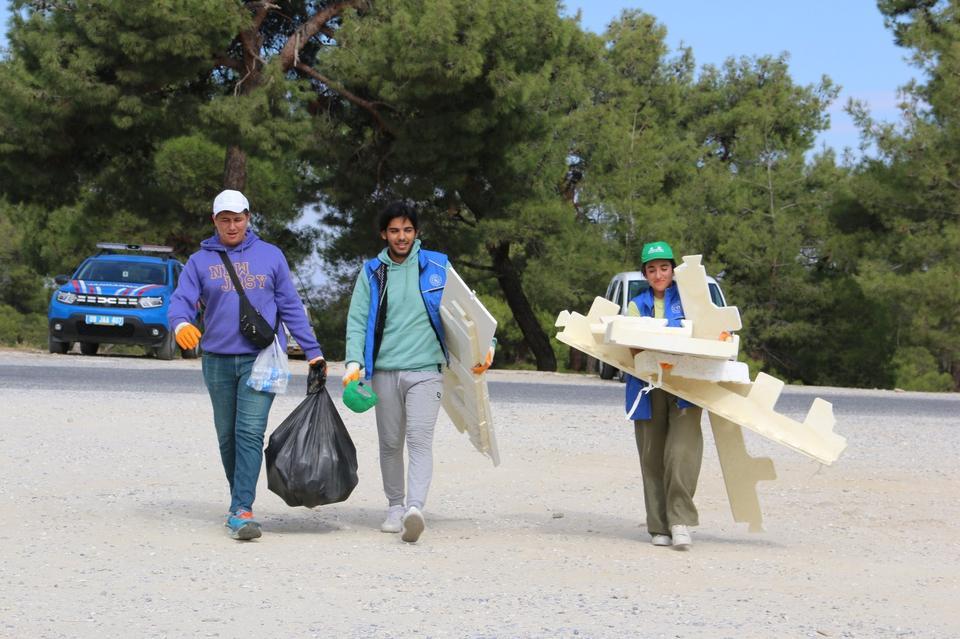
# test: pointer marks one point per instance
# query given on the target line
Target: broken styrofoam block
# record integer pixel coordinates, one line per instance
(712, 370)
(729, 405)
(626, 332)
(741, 472)
(469, 329)
(710, 321)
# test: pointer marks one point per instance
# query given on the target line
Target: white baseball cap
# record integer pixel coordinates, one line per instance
(229, 200)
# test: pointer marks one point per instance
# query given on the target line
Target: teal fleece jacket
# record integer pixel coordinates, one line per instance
(409, 342)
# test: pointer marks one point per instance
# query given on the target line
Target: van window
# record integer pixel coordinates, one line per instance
(715, 295)
(615, 296)
(635, 288)
(122, 272)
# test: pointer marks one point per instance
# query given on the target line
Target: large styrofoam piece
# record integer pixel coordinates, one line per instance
(709, 320)
(586, 333)
(468, 329)
(649, 363)
(814, 437)
(741, 472)
(740, 477)
(628, 331)
(728, 405)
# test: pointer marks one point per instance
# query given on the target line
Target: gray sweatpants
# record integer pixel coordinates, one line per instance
(407, 407)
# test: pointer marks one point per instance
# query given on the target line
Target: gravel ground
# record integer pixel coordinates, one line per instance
(112, 506)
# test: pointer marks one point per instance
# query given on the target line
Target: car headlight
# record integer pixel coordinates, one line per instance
(66, 297)
(151, 302)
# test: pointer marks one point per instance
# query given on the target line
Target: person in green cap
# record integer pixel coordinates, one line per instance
(394, 334)
(667, 429)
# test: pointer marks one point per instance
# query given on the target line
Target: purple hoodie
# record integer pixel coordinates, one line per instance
(265, 276)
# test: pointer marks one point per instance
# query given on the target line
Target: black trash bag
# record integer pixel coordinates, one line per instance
(311, 459)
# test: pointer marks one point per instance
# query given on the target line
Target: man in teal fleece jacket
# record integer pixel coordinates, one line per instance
(395, 335)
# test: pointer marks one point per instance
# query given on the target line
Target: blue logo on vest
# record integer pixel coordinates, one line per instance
(435, 280)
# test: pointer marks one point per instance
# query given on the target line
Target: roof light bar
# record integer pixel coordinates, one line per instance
(146, 248)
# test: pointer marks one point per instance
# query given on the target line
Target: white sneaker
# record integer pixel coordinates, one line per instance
(412, 525)
(681, 537)
(392, 523)
(661, 540)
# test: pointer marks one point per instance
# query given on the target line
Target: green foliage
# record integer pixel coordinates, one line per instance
(23, 297)
(22, 329)
(475, 98)
(541, 156)
(21, 288)
(328, 313)
(511, 349)
(115, 119)
(898, 221)
(917, 370)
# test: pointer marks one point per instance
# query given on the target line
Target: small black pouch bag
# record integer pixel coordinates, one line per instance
(252, 324)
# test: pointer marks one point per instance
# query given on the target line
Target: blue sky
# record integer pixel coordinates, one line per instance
(844, 39)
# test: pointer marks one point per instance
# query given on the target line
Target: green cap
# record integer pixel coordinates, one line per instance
(655, 251)
(358, 397)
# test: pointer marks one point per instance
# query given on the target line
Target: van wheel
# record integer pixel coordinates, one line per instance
(89, 348)
(607, 371)
(190, 353)
(58, 347)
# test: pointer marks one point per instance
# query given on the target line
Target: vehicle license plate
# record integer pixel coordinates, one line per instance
(104, 320)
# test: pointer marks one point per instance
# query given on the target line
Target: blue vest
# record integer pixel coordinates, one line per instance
(673, 312)
(433, 277)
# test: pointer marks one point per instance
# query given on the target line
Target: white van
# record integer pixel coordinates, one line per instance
(625, 286)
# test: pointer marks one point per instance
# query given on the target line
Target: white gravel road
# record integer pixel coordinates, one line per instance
(112, 507)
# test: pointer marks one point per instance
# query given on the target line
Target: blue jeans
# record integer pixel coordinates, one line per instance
(240, 417)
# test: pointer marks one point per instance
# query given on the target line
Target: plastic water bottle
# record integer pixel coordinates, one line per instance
(270, 380)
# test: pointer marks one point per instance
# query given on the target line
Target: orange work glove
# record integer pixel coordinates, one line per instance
(481, 368)
(352, 373)
(188, 336)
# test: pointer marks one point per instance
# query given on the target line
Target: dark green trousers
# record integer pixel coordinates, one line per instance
(671, 450)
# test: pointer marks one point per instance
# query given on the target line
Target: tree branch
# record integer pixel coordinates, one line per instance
(366, 105)
(260, 11)
(316, 24)
(474, 265)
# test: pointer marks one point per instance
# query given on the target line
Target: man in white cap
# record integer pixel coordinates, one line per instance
(239, 412)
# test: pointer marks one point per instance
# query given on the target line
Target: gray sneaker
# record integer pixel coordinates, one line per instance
(412, 525)
(392, 523)
(661, 540)
(681, 537)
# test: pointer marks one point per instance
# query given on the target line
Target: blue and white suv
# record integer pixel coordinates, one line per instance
(118, 296)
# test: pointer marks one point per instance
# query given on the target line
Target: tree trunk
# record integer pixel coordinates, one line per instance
(509, 280)
(235, 169)
(250, 70)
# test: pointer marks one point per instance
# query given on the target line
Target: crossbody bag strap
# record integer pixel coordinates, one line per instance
(233, 273)
(380, 321)
(236, 284)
